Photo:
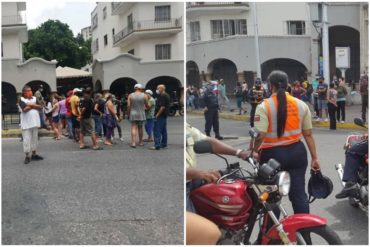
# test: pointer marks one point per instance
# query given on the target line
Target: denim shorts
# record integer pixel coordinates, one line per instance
(56, 119)
(322, 104)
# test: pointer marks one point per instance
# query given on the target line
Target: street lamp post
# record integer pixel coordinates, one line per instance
(256, 42)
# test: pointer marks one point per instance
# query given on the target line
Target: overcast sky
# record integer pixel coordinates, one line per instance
(74, 13)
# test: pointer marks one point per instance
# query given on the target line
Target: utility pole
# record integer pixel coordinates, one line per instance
(325, 43)
(256, 43)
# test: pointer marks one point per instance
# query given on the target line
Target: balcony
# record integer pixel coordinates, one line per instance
(147, 29)
(119, 8)
(13, 20)
(194, 9)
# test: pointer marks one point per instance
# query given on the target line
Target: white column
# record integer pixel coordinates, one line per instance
(256, 42)
(325, 43)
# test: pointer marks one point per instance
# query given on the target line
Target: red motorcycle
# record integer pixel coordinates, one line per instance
(241, 197)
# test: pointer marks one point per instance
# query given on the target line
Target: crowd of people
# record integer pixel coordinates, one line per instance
(327, 102)
(82, 113)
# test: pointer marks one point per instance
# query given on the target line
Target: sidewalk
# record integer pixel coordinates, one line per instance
(352, 112)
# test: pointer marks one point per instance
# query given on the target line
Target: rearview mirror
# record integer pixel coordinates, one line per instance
(202, 147)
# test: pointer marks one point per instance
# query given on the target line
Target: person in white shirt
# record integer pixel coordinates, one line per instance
(30, 122)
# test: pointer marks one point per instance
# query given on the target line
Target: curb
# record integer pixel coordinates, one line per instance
(245, 118)
(14, 133)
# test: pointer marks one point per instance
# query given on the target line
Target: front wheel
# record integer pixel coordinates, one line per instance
(181, 112)
(172, 112)
(319, 235)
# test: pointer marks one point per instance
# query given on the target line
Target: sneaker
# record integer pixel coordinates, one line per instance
(153, 148)
(318, 119)
(326, 120)
(27, 160)
(36, 157)
(349, 189)
(121, 139)
(342, 122)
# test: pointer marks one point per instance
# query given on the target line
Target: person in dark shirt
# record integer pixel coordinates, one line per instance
(87, 125)
(98, 114)
(211, 108)
(160, 122)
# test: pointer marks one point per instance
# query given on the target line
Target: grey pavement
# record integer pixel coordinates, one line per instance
(118, 195)
(351, 224)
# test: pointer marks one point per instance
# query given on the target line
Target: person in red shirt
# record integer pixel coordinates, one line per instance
(71, 135)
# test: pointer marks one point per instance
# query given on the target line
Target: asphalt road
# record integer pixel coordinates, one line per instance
(351, 224)
(118, 195)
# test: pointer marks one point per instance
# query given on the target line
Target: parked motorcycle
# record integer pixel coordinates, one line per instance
(241, 197)
(361, 197)
(175, 106)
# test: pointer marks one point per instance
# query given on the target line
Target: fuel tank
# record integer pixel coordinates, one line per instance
(227, 204)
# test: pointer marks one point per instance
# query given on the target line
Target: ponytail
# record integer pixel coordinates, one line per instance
(279, 81)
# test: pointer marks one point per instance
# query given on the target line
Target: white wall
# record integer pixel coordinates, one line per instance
(11, 46)
(9, 8)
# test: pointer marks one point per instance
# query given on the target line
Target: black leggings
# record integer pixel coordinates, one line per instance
(341, 109)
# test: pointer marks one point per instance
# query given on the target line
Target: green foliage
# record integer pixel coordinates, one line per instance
(54, 40)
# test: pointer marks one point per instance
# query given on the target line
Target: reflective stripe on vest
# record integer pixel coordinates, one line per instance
(293, 125)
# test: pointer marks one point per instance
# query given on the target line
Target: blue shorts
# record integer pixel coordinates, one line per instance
(322, 104)
(56, 119)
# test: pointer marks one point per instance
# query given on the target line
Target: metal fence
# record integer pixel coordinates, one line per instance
(215, 4)
(148, 25)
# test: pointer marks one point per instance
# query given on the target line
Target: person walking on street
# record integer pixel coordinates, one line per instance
(341, 100)
(117, 104)
(75, 101)
(332, 105)
(30, 122)
(149, 114)
(109, 119)
(211, 112)
(283, 121)
(62, 116)
(238, 91)
(87, 125)
(97, 114)
(257, 94)
(55, 117)
(222, 97)
(136, 104)
(71, 134)
(315, 83)
(322, 103)
(160, 122)
(364, 90)
(40, 101)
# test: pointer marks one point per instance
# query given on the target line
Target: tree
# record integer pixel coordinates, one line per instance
(54, 40)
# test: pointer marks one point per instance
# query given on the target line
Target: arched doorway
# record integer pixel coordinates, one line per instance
(122, 86)
(173, 86)
(294, 69)
(8, 98)
(224, 69)
(35, 85)
(192, 74)
(98, 88)
(344, 36)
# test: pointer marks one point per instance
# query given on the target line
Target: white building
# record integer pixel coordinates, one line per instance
(15, 71)
(86, 33)
(137, 43)
(220, 39)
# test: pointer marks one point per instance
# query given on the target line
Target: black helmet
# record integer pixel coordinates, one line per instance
(258, 82)
(319, 186)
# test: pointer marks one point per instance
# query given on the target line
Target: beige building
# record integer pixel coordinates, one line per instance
(86, 33)
(137, 43)
(15, 71)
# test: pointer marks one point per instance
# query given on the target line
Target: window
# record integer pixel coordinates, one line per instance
(94, 21)
(132, 51)
(216, 29)
(163, 52)
(296, 27)
(105, 40)
(194, 31)
(104, 12)
(162, 13)
(224, 28)
(130, 22)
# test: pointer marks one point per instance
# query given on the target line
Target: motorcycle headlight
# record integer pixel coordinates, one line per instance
(283, 182)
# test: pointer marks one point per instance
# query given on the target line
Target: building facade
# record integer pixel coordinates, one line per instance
(220, 40)
(86, 33)
(15, 71)
(137, 43)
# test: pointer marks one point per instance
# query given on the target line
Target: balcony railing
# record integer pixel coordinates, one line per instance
(215, 4)
(149, 25)
(115, 5)
(13, 20)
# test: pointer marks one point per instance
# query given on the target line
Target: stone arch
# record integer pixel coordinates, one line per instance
(35, 84)
(8, 98)
(173, 86)
(122, 86)
(192, 74)
(345, 36)
(226, 69)
(294, 69)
